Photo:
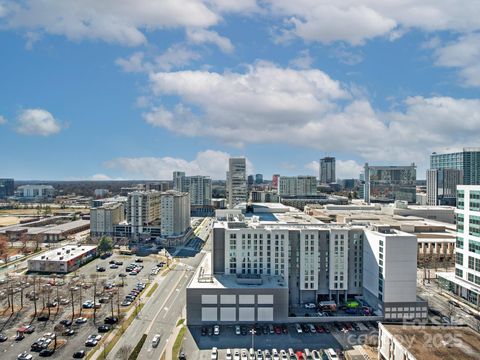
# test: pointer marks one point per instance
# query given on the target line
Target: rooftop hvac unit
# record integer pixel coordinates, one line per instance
(61, 258)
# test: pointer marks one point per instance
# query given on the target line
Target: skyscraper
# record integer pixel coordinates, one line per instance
(467, 160)
(236, 181)
(442, 186)
(258, 179)
(199, 187)
(7, 188)
(327, 170)
(177, 180)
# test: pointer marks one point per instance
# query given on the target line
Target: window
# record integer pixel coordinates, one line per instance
(474, 246)
(459, 258)
(459, 243)
(458, 272)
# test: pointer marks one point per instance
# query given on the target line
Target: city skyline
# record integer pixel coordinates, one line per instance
(110, 95)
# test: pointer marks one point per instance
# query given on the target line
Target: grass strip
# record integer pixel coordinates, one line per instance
(138, 348)
(180, 322)
(154, 287)
(178, 342)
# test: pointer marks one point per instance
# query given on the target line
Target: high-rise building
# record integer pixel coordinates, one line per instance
(275, 178)
(7, 188)
(297, 185)
(442, 186)
(467, 160)
(142, 210)
(465, 281)
(174, 213)
(104, 218)
(236, 182)
(258, 179)
(250, 180)
(199, 187)
(390, 183)
(327, 170)
(159, 186)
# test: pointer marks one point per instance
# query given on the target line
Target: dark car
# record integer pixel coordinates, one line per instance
(138, 260)
(66, 322)
(110, 320)
(100, 269)
(3, 337)
(284, 329)
(119, 263)
(204, 331)
(69, 332)
(46, 352)
(122, 275)
(104, 328)
(265, 330)
(182, 356)
(20, 336)
(79, 354)
(112, 262)
(244, 330)
(258, 330)
(43, 318)
(210, 331)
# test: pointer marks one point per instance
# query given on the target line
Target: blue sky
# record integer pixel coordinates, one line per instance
(136, 89)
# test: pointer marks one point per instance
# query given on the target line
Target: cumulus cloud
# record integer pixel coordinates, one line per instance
(462, 54)
(2, 120)
(202, 36)
(210, 163)
(37, 122)
(112, 21)
(355, 22)
(270, 104)
(303, 61)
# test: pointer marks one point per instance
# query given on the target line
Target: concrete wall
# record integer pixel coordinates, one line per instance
(236, 306)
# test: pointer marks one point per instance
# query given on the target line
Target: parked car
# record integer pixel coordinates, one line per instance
(20, 336)
(101, 269)
(3, 337)
(237, 330)
(79, 354)
(310, 306)
(29, 329)
(43, 318)
(298, 328)
(69, 332)
(66, 322)
(25, 356)
(80, 320)
(214, 353)
(104, 328)
(216, 330)
(46, 352)
(110, 320)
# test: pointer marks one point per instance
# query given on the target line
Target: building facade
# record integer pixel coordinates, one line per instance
(467, 161)
(442, 186)
(7, 188)
(283, 266)
(142, 211)
(327, 170)
(62, 260)
(297, 185)
(236, 182)
(199, 188)
(258, 179)
(36, 192)
(104, 218)
(275, 178)
(175, 213)
(389, 183)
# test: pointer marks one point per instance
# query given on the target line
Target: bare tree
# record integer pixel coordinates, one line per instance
(57, 330)
(124, 352)
(4, 248)
(451, 312)
(35, 294)
(72, 289)
(48, 290)
(94, 278)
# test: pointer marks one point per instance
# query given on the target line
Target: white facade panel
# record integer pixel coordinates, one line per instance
(228, 299)
(209, 299)
(209, 314)
(265, 299)
(265, 314)
(246, 299)
(228, 314)
(246, 314)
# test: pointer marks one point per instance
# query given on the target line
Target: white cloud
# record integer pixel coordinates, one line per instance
(345, 55)
(462, 54)
(115, 21)
(356, 21)
(202, 36)
(210, 162)
(2, 120)
(303, 61)
(100, 177)
(37, 122)
(269, 104)
(176, 56)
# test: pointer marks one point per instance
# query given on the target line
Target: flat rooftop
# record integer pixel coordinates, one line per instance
(64, 253)
(447, 343)
(204, 280)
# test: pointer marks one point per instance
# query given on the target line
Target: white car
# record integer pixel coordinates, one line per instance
(252, 353)
(310, 306)
(25, 356)
(299, 328)
(228, 355)
(275, 354)
(214, 353)
(237, 330)
(155, 340)
(81, 320)
(316, 355)
(216, 330)
(283, 355)
(244, 355)
(236, 355)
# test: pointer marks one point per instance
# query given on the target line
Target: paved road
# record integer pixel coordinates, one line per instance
(161, 313)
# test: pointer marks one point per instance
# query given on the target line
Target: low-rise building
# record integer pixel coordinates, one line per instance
(62, 260)
(413, 342)
(35, 192)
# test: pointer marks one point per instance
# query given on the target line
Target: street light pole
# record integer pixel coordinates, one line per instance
(253, 332)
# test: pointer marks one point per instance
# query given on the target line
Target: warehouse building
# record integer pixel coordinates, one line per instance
(62, 260)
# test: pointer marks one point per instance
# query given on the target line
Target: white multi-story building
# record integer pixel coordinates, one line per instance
(104, 218)
(36, 192)
(297, 186)
(442, 186)
(174, 213)
(465, 282)
(236, 181)
(310, 262)
(199, 187)
(142, 210)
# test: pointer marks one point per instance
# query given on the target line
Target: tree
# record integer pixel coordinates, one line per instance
(3, 248)
(94, 282)
(57, 329)
(23, 239)
(35, 294)
(105, 244)
(124, 352)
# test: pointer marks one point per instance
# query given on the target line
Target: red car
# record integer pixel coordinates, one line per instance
(349, 326)
(278, 329)
(319, 328)
(300, 355)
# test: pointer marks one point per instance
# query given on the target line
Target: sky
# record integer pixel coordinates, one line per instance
(120, 89)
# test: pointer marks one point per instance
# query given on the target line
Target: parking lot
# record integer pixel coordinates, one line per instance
(338, 336)
(80, 286)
